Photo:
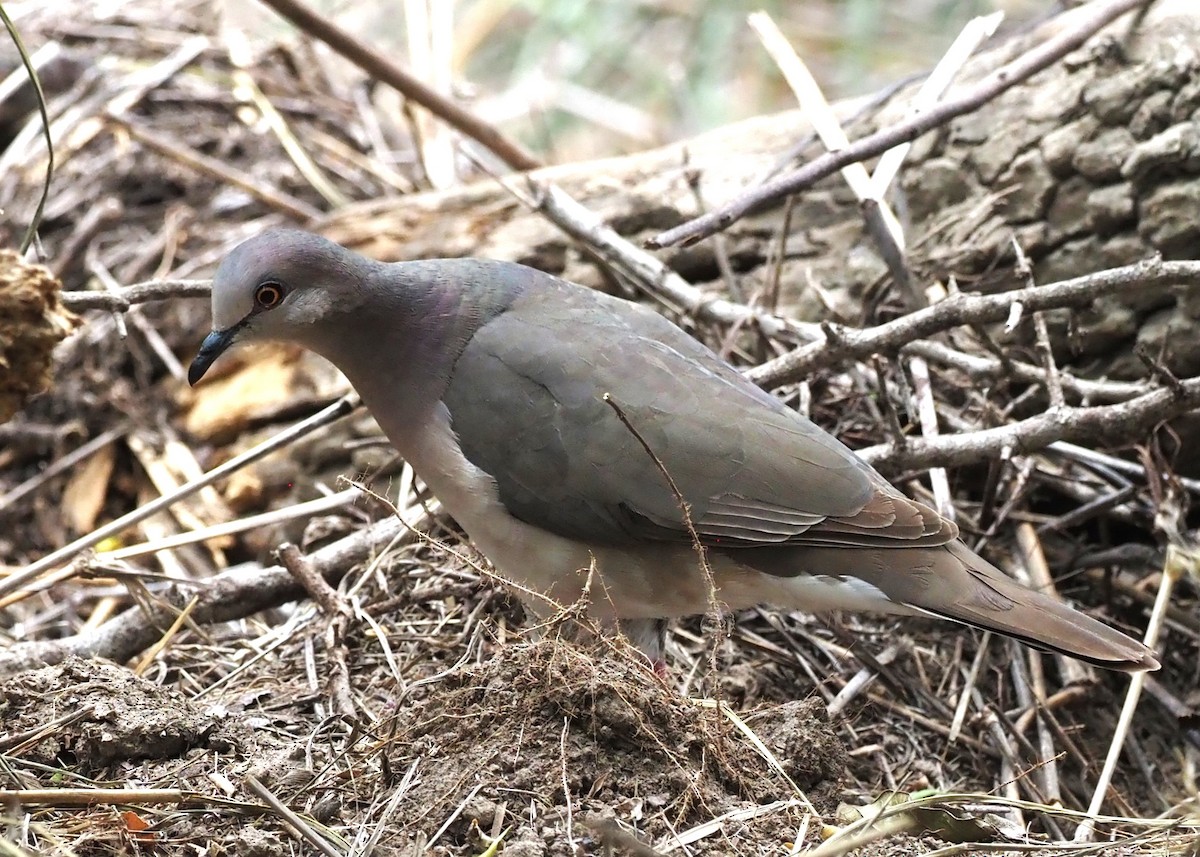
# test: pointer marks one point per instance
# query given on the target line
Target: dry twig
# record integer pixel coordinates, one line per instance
(32, 572)
(1042, 56)
(961, 309)
(338, 615)
(381, 68)
(1110, 424)
(229, 596)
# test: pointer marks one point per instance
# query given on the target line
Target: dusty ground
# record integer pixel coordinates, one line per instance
(485, 750)
(462, 737)
(416, 711)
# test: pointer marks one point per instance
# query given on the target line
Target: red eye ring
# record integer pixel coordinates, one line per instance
(268, 295)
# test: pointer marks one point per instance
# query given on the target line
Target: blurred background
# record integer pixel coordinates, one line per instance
(576, 79)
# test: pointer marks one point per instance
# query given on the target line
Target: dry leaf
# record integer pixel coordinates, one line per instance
(263, 383)
(84, 495)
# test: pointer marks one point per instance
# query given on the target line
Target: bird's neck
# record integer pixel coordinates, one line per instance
(404, 340)
(399, 367)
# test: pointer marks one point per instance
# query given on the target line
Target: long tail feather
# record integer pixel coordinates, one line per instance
(995, 602)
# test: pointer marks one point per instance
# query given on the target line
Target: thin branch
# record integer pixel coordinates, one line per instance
(337, 615)
(292, 819)
(649, 273)
(961, 308)
(1000, 80)
(241, 524)
(685, 508)
(989, 368)
(379, 67)
(1180, 560)
(138, 293)
(227, 597)
(927, 412)
(821, 116)
(1108, 424)
(1054, 383)
(644, 269)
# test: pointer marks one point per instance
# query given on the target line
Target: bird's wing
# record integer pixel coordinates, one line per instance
(526, 400)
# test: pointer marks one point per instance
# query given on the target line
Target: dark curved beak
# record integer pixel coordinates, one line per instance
(210, 349)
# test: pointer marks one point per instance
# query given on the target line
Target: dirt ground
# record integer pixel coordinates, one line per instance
(467, 733)
(415, 710)
(547, 747)
(539, 746)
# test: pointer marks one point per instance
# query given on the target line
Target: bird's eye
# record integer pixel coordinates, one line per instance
(268, 295)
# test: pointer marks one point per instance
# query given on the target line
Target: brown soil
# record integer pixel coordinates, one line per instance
(545, 743)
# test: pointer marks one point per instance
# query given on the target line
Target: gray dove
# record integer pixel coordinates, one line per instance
(490, 379)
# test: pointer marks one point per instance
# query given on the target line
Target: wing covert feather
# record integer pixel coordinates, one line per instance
(526, 401)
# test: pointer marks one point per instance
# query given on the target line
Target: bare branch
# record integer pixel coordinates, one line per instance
(227, 597)
(650, 273)
(990, 368)
(1109, 425)
(959, 309)
(138, 293)
(382, 69)
(1000, 80)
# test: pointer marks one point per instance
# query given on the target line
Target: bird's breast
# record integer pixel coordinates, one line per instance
(530, 557)
(641, 580)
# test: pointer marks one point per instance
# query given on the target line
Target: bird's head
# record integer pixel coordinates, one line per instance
(282, 285)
